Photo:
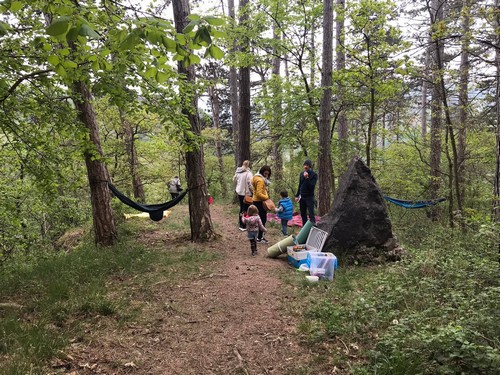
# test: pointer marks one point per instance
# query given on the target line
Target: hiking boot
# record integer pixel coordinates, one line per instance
(243, 229)
(262, 240)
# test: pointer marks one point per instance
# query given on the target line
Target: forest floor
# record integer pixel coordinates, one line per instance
(237, 317)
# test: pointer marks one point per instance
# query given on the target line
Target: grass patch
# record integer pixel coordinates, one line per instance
(49, 297)
(433, 313)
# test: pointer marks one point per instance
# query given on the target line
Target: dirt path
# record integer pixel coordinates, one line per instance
(231, 320)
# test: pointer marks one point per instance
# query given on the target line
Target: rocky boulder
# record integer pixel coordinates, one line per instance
(358, 224)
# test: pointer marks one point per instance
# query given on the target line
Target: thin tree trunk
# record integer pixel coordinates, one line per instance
(324, 156)
(244, 103)
(496, 190)
(425, 90)
(199, 211)
(342, 127)
(214, 99)
(276, 125)
(463, 99)
(233, 92)
(436, 14)
(133, 162)
(371, 124)
(97, 173)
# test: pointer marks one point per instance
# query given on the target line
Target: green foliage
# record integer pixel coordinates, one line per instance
(433, 313)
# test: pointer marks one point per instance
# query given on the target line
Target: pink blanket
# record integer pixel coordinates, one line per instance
(296, 219)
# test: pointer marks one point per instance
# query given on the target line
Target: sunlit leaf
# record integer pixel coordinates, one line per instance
(61, 71)
(54, 60)
(161, 77)
(214, 21)
(216, 52)
(16, 6)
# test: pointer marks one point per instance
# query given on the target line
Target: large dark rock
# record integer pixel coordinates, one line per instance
(358, 223)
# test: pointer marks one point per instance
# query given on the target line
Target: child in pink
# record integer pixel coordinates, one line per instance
(253, 225)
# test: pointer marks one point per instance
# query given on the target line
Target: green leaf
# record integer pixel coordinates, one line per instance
(178, 57)
(161, 77)
(61, 71)
(181, 39)
(54, 60)
(16, 6)
(214, 21)
(86, 30)
(70, 64)
(169, 44)
(193, 17)
(58, 26)
(188, 28)
(216, 52)
(72, 34)
(194, 59)
(4, 28)
(129, 42)
(151, 72)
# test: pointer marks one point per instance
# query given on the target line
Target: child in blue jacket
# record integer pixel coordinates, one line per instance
(284, 211)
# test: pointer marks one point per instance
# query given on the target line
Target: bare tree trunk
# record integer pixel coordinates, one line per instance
(463, 98)
(276, 126)
(244, 104)
(214, 99)
(342, 127)
(436, 13)
(425, 90)
(199, 211)
(97, 173)
(324, 156)
(233, 92)
(496, 190)
(133, 162)
(371, 124)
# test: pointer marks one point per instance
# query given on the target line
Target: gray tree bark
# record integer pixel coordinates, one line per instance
(97, 173)
(199, 211)
(324, 155)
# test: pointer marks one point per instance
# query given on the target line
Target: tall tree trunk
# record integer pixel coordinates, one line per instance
(496, 190)
(233, 92)
(324, 156)
(342, 127)
(97, 173)
(244, 104)
(463, 98)
(276, 125)
(425, 90)
(452, 162)
(133, 162)
(371, 124)
(436, 14)
(214, 99)
(199, 211)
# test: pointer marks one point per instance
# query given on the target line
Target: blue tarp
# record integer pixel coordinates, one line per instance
(414, 204)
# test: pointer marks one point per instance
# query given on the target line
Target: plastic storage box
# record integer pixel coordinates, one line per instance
(315, 241)
(322, 265)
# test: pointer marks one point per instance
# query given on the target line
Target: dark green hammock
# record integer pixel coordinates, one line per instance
(414, 204)
(155, 211)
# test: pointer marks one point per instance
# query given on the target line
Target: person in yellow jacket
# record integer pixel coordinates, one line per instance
(260, 183)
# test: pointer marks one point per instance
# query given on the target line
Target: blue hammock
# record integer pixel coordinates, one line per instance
(414, 204)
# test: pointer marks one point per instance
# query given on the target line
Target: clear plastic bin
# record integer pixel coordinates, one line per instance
(322, 265)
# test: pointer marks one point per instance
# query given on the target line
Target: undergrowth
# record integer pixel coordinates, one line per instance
(435, 312)
(48, 297)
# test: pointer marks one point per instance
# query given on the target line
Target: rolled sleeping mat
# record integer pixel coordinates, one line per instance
(301, 237)
(279, 247)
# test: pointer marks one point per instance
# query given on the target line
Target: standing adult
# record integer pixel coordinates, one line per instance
(305, 192)
(243, 185)
(260, 183)
(174, 187)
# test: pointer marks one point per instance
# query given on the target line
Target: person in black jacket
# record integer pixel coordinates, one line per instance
(305, 192)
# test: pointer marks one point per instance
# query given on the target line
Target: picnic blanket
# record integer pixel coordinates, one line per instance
(296, 219)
